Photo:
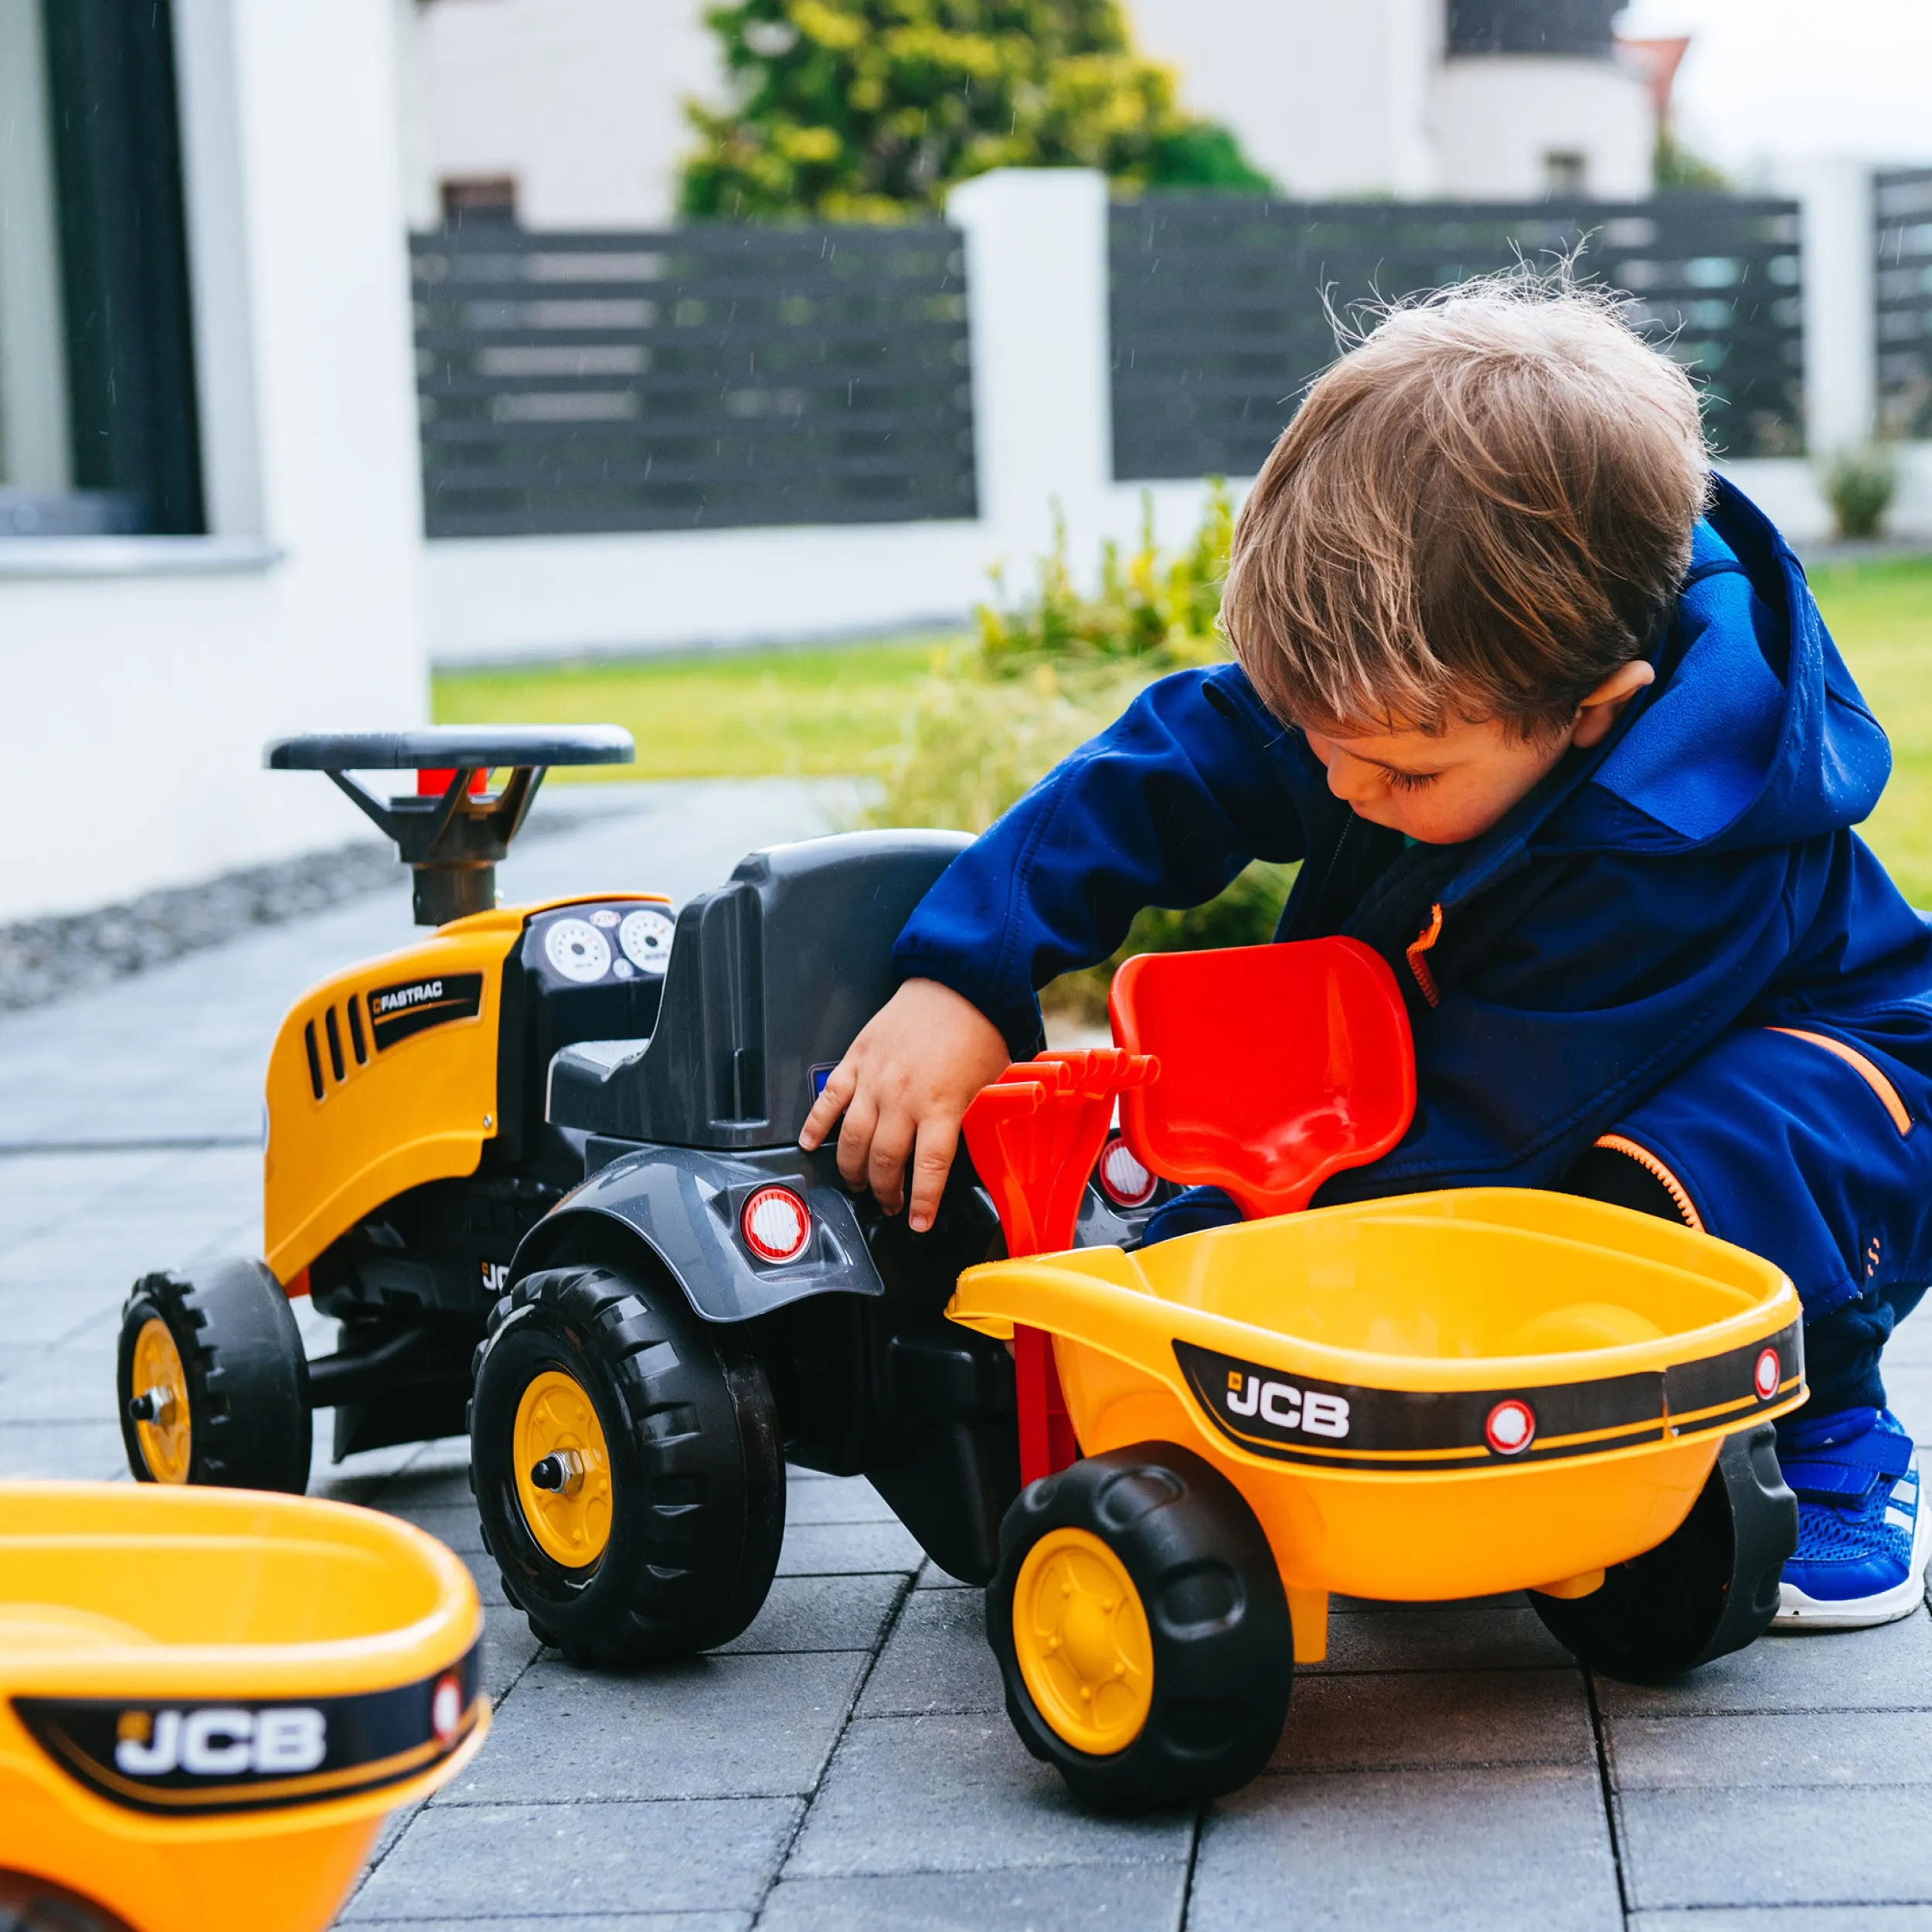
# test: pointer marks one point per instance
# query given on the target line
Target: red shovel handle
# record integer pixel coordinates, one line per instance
(1034, 1135)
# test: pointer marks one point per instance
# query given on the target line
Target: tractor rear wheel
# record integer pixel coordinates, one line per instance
(1709, 1588)
(1141, 1629)
(627, 1467)
(213, 1381)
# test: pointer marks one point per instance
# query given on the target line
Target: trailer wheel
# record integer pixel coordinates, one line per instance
(627, 1468)
(1141, 1629)
(29, 1903)
(1709, 1588)
(212, 1380)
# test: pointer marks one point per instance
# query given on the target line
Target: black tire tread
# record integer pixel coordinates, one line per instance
(667, 1585)
(1235, 1671)
(1709, 1588)
(252, 1427)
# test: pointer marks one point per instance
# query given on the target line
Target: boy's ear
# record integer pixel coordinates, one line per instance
(1602, 708)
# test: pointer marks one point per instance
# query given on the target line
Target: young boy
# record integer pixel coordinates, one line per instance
(1549, 716)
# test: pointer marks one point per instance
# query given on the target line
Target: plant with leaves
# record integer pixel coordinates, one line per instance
(1157, 612)
(1859, 485)
(1677, 170)
(871, 109)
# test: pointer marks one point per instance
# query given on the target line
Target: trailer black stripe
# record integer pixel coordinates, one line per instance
(368, 1741)
(1266, 1410)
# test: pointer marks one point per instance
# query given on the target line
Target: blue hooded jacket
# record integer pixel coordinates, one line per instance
(1693, 876)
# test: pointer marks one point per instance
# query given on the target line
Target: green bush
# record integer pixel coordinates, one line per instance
(975, 743)
(1244, 915)
(871, 109)
(1044, 674)
(1859, 485)
(1155, 613)
(1676, 169)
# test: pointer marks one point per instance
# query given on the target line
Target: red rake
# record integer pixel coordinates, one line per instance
(1034, 1135)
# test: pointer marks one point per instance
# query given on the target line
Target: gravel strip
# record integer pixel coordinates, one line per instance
(46, 959)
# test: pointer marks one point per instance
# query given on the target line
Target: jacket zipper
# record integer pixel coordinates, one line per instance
(1618, 1144)
(1430, 932)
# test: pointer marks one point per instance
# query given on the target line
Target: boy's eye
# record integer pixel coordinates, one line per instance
(1409, 781)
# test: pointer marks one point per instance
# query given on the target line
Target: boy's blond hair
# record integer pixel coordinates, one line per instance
(1481, 511)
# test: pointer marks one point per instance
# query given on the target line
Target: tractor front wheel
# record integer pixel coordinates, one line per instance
(627, 1466)
(213, 1381)
(1141, 1629)
(1709, 1588)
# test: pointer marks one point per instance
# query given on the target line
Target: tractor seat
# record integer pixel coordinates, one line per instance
(771, 975)
(583, 1078)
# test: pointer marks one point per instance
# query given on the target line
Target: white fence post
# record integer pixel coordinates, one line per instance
(1841, 348)
(1036, 279)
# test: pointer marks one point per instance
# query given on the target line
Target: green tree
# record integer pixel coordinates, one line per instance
(870, 109)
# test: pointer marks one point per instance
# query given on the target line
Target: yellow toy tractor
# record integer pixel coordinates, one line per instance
(543, 1168)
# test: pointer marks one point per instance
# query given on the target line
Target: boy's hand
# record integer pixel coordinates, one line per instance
(903, 1086)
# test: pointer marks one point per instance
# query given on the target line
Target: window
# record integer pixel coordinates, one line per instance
(1532, 26)
(98, 432)
(1566, 173)
(479, 197)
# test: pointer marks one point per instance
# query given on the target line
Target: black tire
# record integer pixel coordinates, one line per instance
(1708, 1589)
(249, 1423)
(697, 1467)
(1221, 1642)
(31, 1904)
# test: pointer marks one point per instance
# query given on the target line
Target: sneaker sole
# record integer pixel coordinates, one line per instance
(1798, 1611)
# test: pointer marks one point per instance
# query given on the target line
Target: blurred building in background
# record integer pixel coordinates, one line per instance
(570, 112)
(337, 337)
(210, 518)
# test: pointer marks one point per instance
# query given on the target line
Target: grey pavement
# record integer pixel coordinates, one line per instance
(846, 1763)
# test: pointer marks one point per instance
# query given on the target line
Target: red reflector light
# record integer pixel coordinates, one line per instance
(1123, 1179)
(1511, 1427)
(776, 1224)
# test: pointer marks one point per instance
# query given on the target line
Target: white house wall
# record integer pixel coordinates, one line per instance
(148, 673)
(580, 101)
(1499, 116)
(1328, 99)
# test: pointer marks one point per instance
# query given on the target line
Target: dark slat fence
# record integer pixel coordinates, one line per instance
(1903, 204)
(1219, 321)
(713, 376)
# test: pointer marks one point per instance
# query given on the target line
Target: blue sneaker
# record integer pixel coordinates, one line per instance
(1861, 1534)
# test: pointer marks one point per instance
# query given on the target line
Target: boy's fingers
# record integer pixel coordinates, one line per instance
(932, 1160)
(892, 1146)
(831, 1103)
(855, 1141)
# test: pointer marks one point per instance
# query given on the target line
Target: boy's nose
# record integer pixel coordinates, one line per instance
(1350, 779)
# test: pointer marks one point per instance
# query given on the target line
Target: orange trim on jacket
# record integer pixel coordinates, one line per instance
(1867, 1070)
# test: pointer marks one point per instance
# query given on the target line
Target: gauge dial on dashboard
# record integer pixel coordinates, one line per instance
(645, 937)
(578, 950)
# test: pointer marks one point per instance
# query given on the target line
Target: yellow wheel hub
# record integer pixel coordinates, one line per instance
(160, 1381)
(563, 1470)
(1080, 1634)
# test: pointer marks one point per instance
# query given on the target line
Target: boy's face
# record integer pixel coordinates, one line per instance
(1444, 787)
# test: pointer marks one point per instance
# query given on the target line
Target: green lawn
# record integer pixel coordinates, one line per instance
(835, 708)
(1881, 615)
(814, 711)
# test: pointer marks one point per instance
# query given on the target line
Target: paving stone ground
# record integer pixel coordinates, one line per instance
(846, 1763)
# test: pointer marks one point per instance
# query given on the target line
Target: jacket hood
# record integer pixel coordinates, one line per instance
(1754, 733)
